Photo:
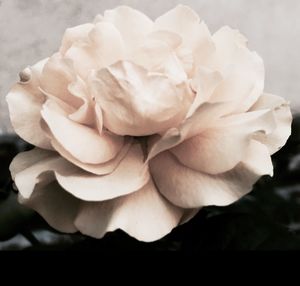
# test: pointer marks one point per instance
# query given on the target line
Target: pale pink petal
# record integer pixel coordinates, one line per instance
(258, 160)
(186, 58)
(196, 38)
(24, 103)
(144, 214)
(157, 56)
(98, 169)
(75, 34)
(181, 20)
(82, 142)
(85, 113)
(174, 69)
(213, 151)
(204, 46)
(99, 118)
(56, 206)
(283, 118)
(172, 40)
(108, 43)
(103, 48)
(151, 55)
(129, 176)
(137, 103)
(219, 149)
(25, 160)
(243, 70)
(32, 168)
(258, 120)
(202, 119)
(228, 41)
(204, 83)
(57, 74)
(132, 24)
(187, 188)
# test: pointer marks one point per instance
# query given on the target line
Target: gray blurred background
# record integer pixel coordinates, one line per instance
(32, 29)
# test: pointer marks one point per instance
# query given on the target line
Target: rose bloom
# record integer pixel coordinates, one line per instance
(137, 124)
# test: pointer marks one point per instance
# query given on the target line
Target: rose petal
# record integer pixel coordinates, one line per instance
(57, 74)
(172, 40)
(99, 118)
(190, 189)
(228, 41)
(132, 24)
(204, 46)
(75, 34)
(243, 70)
(204, 83)
(144, 214)
(258, 160)
(24, 103)
(103, 48)
(82, 142)
(55, 205)
(25, 160)
(219, 149)
(35, 169)
(98, 169)
(213, 151)
(137, 103)
(283, 118)
(157, 56)
(85, 114)
(203, 118)
(31, 168)
(181, 20)
(196, 38)
(128, 177)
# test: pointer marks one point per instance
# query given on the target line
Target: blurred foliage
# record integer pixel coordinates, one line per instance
(266, 219)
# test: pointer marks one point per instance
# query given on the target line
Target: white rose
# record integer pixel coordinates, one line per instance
(138, 124)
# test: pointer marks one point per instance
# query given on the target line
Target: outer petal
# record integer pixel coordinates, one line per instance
(31, 168)
(181, 20)
(219, 149)
(213, 151)
(283, 118)
(137, 103)
(25, 160)
(56, 206)
(158, 56)
(197, 42)
(243, 70)
(57, 74)
(144, 214)
(190, 189)
(202, 119)
(103, 48)
(85, 114)
(82, 142)
(36, 168)
(75, 34)
(228, 41)
(97, 169)
(204, 83)
(132, 24)
(25, 103)
(128, 177)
